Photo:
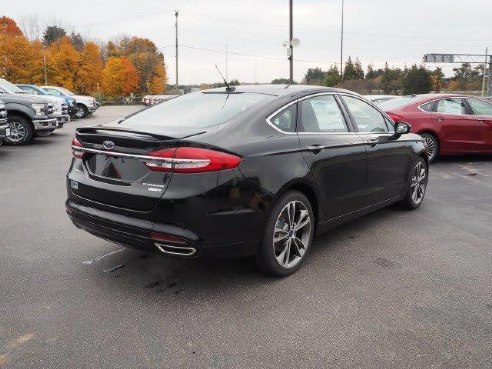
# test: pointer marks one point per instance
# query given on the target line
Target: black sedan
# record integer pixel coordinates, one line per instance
(250, 170)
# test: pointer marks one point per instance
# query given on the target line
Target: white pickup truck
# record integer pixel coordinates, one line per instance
(86, 105)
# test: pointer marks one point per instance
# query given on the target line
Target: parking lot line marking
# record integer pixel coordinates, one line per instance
(102, 257)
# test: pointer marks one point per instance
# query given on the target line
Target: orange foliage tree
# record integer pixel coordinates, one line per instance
(119, 77)
(21, 61)
(63, 61)
(9, 27)
(89, 72)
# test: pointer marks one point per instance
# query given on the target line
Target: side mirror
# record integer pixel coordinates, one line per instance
(402, 128)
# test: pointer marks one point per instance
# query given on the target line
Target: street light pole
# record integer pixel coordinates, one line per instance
(484, 84)
(341, 44)
(291, 36)
(176, 13)
(45, 71)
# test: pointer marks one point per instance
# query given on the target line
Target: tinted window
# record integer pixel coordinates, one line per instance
(367, 118)
(321, 114)
(451, 106)
(197, 109)
(286, 119)
(480, 107)
(428, 106)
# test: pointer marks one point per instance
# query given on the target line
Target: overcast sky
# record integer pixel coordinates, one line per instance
(375, 31)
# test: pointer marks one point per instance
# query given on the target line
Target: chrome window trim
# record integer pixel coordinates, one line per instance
(439, 99)
(269, 122)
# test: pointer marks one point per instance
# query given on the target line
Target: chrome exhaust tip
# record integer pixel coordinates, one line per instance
(175, 250)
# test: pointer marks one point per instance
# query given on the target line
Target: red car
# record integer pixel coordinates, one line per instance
(449, 123)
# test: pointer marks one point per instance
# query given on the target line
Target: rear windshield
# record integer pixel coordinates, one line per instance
(197, 109)
(397, 102)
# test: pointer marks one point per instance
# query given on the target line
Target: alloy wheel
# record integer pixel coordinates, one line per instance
(431, 146)
(79, 113)
(292, 234)
(419, 183)
(17, 132)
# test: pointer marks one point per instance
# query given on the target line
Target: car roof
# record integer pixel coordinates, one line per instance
(278, 90)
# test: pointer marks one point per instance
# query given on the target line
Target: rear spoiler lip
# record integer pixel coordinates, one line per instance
(91, 130)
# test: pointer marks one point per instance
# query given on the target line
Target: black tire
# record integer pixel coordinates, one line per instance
(432, 144)
(82, 111)
(411, 201)
(23, 131)
(298, 239)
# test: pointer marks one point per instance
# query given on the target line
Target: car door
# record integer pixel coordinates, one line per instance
(482, 111)
(386, 155)
(459, 130)
(335, 154)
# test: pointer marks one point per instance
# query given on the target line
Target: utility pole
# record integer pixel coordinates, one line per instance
(227, 66)
(484, 84)
(291, 36)
(176, 13)
(341, 45)
(45, 71)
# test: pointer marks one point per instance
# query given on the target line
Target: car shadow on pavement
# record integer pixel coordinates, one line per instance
(195, 278)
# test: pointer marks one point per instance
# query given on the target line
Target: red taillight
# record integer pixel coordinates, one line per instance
(396, 117)
(78, 154)
(162, 237)
(191, 160)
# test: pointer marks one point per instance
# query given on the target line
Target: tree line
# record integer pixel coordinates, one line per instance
(414, 80)
(118, 68)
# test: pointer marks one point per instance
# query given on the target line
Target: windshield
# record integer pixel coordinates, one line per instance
(199, 110)
(65, 91)
(10, 87)
(397, 102)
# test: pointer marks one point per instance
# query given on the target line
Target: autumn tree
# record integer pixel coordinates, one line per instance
(437, 77)
(77, 41)
(63, 62)
(119, 77)
(9, 27)
(20, 59)
(89, 72)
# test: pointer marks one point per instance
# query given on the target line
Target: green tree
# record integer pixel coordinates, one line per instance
(332, 77)
(314, 76)
(417, 81)
(53, 34)
(359, 72)
(349, 71)
(391, 79)
(280, 81)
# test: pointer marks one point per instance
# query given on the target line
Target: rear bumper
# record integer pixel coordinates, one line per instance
(137, 233)
(44, 124)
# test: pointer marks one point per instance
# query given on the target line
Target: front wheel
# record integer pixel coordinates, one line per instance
(21, 131)
(81, 112)
(288, 235)
(417, 186)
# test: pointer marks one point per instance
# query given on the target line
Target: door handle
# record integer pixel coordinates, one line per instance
(315, 148)
(440, 119)
(373, 141)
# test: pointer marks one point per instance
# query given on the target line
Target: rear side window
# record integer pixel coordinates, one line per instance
(480, 107)
(427, 106)
(197, 110)
(367, 118)
(451, 106)
(321, 114)
(286, 119)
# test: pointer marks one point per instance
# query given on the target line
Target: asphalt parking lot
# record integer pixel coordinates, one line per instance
(393, 289)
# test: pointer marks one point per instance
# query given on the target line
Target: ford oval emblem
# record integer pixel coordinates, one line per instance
(108, 145)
